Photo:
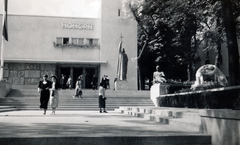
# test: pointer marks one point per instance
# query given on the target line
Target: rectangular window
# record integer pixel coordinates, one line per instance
(59, 41)
(90, 41)
(95, 41)
(80, 41)
(65, 40)
(74, 41)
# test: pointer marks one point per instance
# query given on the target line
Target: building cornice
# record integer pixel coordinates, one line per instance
(53, 16)
(57, 61)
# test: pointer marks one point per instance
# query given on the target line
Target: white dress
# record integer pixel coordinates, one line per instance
(54, 98)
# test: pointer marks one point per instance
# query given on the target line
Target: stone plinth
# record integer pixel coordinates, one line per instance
(157, 90)
(123, 85)
(5, 88)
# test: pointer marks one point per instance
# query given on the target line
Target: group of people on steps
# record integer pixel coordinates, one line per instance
(49, 93)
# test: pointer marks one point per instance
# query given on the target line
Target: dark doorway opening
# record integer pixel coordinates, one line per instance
(76, 73)
(65, 71)
(88, 78)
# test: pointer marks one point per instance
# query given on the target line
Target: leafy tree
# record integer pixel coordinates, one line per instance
(174, 29)
(170, 27)
(230, 28)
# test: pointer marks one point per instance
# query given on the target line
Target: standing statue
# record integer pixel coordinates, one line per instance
(122, 64)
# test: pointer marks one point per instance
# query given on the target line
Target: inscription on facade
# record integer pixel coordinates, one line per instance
(77, 26)
(32, 73)
(32, 66)
(16, 73)
(31, 81)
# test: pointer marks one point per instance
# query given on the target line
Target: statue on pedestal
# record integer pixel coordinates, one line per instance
(209, 71)
(158, 77)
(122, 64)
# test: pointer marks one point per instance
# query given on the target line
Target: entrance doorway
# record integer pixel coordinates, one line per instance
(65, 71)
(76, 73)
(89, 75)
(87, 71)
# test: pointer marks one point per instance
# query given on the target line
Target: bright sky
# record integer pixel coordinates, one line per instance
(65, 8)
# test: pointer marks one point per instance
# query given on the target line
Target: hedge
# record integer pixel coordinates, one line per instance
(221, 98)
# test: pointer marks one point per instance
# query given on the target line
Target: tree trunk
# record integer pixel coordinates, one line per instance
(233, 54)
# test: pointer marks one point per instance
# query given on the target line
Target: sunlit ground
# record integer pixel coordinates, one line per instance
(81, 123)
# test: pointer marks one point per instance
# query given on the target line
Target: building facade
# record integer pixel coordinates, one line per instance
(70, 46)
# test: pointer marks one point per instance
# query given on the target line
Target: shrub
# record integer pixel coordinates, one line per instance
(202, 99)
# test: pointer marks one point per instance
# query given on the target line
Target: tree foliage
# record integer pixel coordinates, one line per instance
(174, 29)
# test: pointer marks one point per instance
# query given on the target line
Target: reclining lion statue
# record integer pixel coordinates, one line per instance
(209, 70)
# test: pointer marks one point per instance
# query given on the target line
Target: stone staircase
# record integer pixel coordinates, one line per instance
(180, 117)
(27, 98)
(8, 108)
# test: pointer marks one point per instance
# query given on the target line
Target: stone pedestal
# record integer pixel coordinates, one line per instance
(122, 85)
(157, 90)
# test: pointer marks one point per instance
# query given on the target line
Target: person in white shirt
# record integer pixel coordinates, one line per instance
(54, 98)
(102, 99)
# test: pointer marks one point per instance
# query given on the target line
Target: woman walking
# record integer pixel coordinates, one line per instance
(54, 98)
(102, 99)
(43, 89)
(78, 88)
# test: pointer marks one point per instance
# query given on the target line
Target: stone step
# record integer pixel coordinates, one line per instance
(186, 118)
(194, 125)
(69, 103)
(188, 115)
(150, 117)
(26, 92)
(8, 108)
(116, 140)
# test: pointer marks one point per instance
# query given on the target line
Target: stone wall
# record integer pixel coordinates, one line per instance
(5, 88)
(222, 124)
(27, 73)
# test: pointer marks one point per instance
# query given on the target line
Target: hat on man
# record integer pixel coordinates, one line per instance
(54, 76)
(45, 75)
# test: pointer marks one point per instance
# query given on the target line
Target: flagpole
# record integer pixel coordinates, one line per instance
(4, 36)
(2, 61)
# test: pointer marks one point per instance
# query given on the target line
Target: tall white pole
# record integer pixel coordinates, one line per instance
(2, 61)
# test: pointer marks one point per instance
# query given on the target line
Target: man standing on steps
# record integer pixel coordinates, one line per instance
(102, 99)
(105, 82)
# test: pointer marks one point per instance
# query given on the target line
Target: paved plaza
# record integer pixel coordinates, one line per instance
(81, 123)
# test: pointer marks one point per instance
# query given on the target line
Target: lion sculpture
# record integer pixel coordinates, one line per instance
(212, 71)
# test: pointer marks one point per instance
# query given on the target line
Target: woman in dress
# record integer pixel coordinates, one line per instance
(102, 99)
(54, 98)
(78, 88)
(43, 89)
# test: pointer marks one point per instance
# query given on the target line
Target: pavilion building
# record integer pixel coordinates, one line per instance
(71, 46)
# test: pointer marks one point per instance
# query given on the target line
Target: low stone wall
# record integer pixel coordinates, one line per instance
(220, 98)
(222, 124)
(5, 88)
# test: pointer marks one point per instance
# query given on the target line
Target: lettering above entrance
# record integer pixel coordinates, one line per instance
(77, 26)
